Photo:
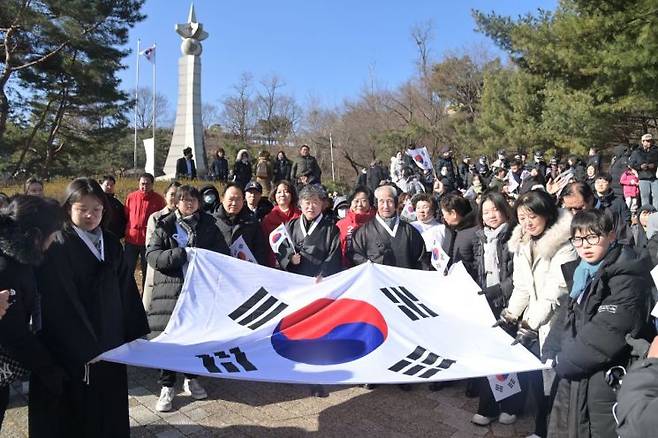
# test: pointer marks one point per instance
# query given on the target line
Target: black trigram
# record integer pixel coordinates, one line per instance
(408, 303)
(227, 361)
(260, 308)
(421, 363)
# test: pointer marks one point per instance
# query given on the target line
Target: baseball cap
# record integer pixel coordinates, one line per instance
(253, 185)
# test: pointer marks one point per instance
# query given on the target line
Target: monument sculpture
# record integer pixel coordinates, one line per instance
(188, 130)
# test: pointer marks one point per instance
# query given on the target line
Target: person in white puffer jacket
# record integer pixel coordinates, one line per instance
(540, 246)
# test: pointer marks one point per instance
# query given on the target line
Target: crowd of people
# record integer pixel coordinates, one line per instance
(561, 251)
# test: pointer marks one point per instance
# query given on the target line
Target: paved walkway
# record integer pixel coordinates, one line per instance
(246, 409)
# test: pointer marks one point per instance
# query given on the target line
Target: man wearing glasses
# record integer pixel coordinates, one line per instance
(644, 160)
(578, 196)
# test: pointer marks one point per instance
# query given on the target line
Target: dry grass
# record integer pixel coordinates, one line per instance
(56, 187)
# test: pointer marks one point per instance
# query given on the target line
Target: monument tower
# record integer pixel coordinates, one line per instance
(188, 130)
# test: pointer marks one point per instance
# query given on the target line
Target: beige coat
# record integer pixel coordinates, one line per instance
(539, 283)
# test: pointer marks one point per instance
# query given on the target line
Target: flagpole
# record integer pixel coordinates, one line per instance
(136, 99)
(154, 60)
(331, 150)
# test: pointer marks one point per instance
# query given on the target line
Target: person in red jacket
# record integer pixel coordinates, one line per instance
(139, 205)
(359, 213)
(285, 209)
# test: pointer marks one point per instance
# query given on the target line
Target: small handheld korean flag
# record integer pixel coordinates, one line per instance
(504, 385)
(281, 243)
(408, 213)
(421, 157)
(240, 250)
(439, 258)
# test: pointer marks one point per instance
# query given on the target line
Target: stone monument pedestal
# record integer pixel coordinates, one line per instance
(188, 130)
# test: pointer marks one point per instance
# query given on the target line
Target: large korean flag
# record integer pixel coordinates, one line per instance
(369, 324)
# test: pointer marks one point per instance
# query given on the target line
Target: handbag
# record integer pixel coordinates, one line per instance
(10, 368)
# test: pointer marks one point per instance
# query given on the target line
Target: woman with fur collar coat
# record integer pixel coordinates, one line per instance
(540, 246)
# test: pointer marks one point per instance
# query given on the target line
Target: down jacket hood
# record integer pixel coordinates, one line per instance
(552, 239)
(18, 245)
(239, 155)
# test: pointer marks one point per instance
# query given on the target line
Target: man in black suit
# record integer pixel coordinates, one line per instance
(185, 167)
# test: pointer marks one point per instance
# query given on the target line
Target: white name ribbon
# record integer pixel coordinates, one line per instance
(368, 324)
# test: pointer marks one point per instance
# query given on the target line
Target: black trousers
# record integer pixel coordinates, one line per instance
(131, 253)
(488, 405)
(168, 378)
(4, 401)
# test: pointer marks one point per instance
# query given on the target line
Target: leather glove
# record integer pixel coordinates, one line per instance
(525, 335)
(505, 320)
(491, 292)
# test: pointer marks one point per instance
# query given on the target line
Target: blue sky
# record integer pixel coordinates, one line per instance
(320, 48)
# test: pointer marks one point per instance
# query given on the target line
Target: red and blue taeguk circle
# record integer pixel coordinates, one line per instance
(329, 332)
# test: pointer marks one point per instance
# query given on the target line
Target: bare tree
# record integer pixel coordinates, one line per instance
(145, 108)
(267, 105)
(238, 109)
(422, 34)
(210, 115)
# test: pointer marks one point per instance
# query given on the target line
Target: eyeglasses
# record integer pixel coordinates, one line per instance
(575, 210)
(592, 239)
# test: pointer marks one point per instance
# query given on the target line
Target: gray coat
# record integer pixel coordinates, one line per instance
(637, 401)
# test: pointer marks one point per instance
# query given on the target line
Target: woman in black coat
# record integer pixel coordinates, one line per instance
(187, 226)
(242, 171)
(282, 168)
(459, 218)
(90, 304)
(27, 227)
(609, 300)
(493, 267)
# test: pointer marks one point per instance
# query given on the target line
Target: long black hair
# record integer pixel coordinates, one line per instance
(500, 202)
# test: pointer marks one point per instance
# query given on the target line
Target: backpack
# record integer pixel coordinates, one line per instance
(262, 170)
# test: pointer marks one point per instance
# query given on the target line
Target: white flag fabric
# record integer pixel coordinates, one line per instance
(504, 385)
(281, 243)
(149, 149)
(149, 53)
(439, 257)
(369, 324)
(408, 213)
(421, 157)
(240, 250)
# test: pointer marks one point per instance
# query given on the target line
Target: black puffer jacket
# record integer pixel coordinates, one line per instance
(167, 258)
(617, 167)
(615, 207)
(243, 225)
(282, 169)
(637, 401)
(458, 243)
(17, 258)
(498, 295)
(648, 157)
(589, 337)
